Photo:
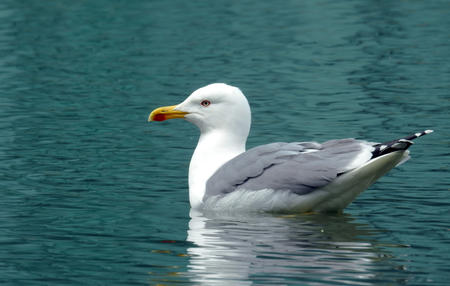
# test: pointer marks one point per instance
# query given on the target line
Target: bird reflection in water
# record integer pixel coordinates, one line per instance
(269, 248)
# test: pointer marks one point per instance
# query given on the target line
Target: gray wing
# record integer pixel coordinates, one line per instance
(300, 167)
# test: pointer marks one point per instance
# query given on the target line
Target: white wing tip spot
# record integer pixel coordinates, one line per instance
(406, 141)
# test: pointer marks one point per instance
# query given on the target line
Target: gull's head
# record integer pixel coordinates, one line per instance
(217, 106)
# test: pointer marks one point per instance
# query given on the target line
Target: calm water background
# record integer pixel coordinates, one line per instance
(91, 194)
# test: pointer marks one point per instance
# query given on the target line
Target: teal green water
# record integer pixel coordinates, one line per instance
(92, 194)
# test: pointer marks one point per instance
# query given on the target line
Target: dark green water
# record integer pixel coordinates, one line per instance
(92, 194)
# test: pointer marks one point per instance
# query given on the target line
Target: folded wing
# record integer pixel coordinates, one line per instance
(299, 167)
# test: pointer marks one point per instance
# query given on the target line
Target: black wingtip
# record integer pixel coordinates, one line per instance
(418, 134)
(399, 144)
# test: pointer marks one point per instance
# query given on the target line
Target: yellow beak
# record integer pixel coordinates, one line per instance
(166, 112)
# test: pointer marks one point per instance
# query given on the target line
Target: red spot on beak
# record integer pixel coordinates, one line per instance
(159, 117)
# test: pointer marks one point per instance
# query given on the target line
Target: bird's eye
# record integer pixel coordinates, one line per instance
(205, 103)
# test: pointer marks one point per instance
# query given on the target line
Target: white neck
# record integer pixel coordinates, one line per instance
(214, 148)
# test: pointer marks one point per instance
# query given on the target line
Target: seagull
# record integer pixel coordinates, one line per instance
(277, 177)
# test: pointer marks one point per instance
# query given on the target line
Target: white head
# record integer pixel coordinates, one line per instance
(215, 107)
